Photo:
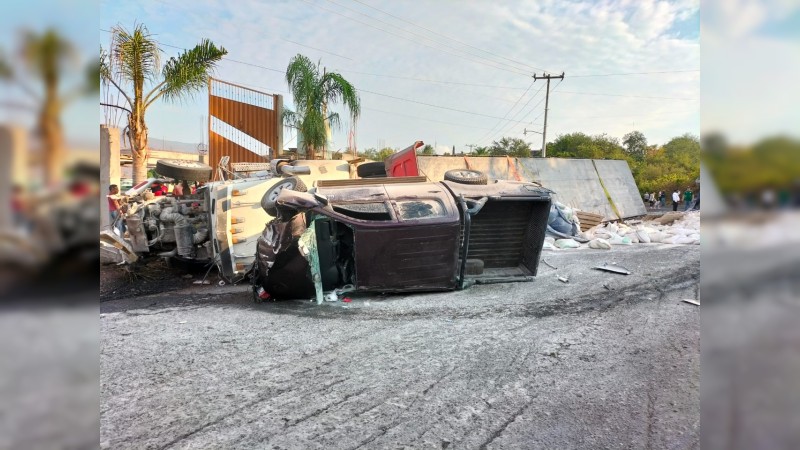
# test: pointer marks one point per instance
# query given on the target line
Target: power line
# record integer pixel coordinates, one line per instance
(632, 73)
(427, 38)
(432, 105)
(507, 112)
(450, 38)
(512, 124)
(317, 49)
(630, 96)
(512, 121)
(425, 119)
(517, 71)
(224, 57)
(431, 81)
(360, 90)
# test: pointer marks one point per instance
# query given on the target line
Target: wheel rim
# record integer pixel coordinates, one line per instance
(274, 195)
(467, 174)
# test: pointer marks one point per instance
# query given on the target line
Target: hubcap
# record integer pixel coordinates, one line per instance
(278, 190)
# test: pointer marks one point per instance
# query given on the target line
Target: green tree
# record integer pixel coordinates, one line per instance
(427, 150)
(635, 144)
(44, 57)
(510, 147)
(369, 153)
(314, 91)
(581, 145)
(480, 151)
(135, 60)
(385, 153)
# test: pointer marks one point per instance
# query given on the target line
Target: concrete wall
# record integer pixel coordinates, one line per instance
(13, 168)
(576, 182)
(110, 170)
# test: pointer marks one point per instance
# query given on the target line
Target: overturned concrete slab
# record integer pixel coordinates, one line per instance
(575, 182)
(604, 187)
(618, 181)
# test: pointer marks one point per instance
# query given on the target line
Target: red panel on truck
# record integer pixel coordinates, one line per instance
(404, 162)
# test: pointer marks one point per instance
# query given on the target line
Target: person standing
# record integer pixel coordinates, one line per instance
(652, 200)
(114, 208)
(687, 199)
(676, 198)
(662, 198)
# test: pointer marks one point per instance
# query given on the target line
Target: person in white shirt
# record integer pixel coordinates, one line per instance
(676, 198)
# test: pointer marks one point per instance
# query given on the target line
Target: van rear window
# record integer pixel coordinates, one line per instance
(420, 209)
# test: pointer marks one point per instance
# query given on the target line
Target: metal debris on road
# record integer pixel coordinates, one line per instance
(548, 264)
(613, 268)
(693, 302)
(563, 279)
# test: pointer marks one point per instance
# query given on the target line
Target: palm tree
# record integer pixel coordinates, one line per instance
(313, 92)
(481, 151)
(135, 59)
(45, 56)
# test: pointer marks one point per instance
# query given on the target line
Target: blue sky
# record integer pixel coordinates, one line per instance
(500, 46)
(751, 64)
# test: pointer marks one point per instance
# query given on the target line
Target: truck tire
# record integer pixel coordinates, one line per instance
(268, 200)
(183, 170)
(466, 176)
(371, 170)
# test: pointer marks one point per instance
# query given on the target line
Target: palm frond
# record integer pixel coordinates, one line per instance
(336, 88)
(46, 53)
(135, 56)
(334, 121)
(93, 75)
(6, 69)
(104, 69)
(289, 118)
(188, 73)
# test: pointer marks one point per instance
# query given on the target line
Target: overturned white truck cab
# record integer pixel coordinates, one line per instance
(219, 224)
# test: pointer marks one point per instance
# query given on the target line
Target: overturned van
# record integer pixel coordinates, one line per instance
(401, 235)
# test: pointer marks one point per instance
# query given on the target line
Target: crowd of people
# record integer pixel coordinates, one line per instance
(690, 199)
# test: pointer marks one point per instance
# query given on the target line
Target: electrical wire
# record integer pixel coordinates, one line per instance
(517, 71)
(450, 38)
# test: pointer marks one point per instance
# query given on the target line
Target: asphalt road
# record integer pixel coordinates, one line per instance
(604, 361)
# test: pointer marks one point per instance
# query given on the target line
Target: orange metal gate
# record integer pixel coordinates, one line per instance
(243, 123)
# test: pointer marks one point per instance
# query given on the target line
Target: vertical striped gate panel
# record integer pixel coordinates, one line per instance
(243, 123)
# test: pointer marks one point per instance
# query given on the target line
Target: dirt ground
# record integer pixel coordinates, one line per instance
(604, 361)
(151, 276)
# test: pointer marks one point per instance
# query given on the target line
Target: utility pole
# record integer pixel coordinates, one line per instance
(546, 106)
(470, 147)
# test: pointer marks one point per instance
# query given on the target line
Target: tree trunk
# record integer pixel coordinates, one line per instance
(53, 148)
(137, 133)
(52, 136)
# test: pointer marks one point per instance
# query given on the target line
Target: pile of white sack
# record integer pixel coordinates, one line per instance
(683, 231)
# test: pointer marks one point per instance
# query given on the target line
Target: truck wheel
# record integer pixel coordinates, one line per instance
(371, 170)
(184, 170)
(466, 176)
(268, 200)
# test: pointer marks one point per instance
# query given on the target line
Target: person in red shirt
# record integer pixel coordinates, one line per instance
(114, 208)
